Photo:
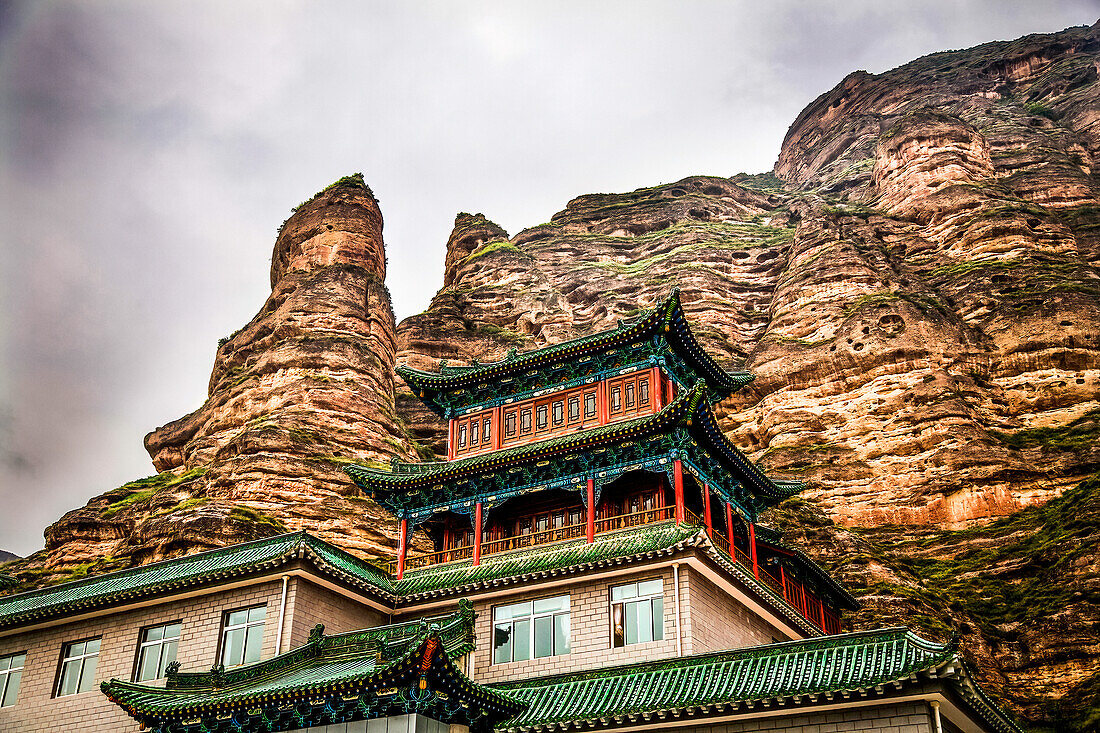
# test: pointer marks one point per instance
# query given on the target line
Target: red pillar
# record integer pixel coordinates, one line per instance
(752, 549)
(402, 548)
(706, 510)
(590, 530)
(729, 529)
(477, 533)
(601, 401)
(678, 488)
(655, 389)
(498, 427)
(783, 582)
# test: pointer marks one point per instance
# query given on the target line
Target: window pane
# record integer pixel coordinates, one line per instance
(257, 614)
(233, 651)
(525, 421)
(155, 633)
(615, 399)
(632, 623)
(510, 424)
(590, 405)
(629, 396)
(649, 587)
(147, 663)
(91, 646)
(561, 633)
(540, 417)
(624, 591)
(70, 677)
(574, 408)
(618, 634)
(87, 675)
(474, 433)
(237, 617)
(502, 643)
(12, 690)
(645, 621)
(462, 436)
(18, 660)
(75, 650)
(172, 631)
(557, 603)
(658, 605)
(167, 656)
(5, 663)
(521, 643)
(558, 413)
(643, 392)
(253, 643)
(544, 636)
(488, 430)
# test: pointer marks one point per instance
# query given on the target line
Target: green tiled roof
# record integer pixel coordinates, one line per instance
(690, 410)
(608, 548)
(666, 318)
(203, 568)
(343, 677)
(739, 680)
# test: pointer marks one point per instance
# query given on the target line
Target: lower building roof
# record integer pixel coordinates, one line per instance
(386, 670)
(789, 673)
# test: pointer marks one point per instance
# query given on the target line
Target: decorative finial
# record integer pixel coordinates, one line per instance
(316, 634)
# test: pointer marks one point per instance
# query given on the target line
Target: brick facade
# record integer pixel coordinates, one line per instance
(308, 604)
(911, 717)
(715, 621)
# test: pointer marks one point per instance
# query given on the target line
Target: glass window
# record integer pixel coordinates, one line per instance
(11, 672)
(243, 635)
(486, 430)
(475, 434)
(637, 612)
(531, 629)
(643, 392)
(630, 396)
(590, 405)
(616, 398)
(574, 408)
(462, 436)
(540, 417)
(510, 424)
(156, 651)
(525, 421)
(557, 412)
(78, 662)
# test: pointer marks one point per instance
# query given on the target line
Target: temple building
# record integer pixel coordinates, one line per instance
(588, 557)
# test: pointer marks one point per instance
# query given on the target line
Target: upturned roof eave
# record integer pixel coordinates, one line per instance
(657, 321)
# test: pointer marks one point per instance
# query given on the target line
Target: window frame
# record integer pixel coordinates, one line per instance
(143, 645)
(530, 618)
(83, 657)
(638, 597)
(226, 627)
(6, 674)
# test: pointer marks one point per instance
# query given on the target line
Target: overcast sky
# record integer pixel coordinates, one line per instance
(150, 150)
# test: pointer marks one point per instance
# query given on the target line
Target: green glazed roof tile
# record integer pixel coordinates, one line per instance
(666, 318)
(831, 664)
(203, 568)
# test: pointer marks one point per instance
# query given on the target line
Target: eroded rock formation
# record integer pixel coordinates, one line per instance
(302, 389)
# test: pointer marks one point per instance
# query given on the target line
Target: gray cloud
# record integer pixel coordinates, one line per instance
(148, 152)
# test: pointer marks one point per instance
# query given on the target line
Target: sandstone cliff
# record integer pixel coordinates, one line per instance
(302, 389)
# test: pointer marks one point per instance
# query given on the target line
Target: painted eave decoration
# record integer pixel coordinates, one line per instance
(666, 321)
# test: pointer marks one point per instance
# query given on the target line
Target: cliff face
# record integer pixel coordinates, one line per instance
(917, 291)
(303, 388)
(916, 286)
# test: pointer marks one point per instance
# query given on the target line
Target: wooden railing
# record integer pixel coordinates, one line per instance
(804, 601)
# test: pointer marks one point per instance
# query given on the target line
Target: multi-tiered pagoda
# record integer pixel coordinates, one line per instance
(589, 437)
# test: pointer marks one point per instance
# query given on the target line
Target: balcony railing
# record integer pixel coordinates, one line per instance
(800, 598)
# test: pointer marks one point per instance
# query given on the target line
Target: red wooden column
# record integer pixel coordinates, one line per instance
(706, 511)
(477, 533)
(498, 427)
(752, 549)
(656, 390)
(729, 529)
(601, 401)
(783, 582)
(590, 530)
(452, 430)
(402, 547)
(678, 489)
